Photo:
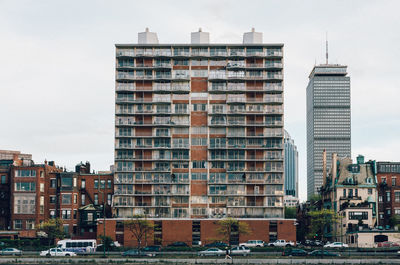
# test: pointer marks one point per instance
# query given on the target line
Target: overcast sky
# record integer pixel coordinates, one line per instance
(57, 66)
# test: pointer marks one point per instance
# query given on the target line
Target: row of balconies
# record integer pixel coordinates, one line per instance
(170, 192)
(228, 169)
(212, 76)
(185, 53)
(168, 100)
(167, 87)
(187, 146)
(248, 111)
(215, 158)
(234, 64)
(154, 180)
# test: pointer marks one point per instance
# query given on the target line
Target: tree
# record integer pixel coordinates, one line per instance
(53, 228)
(321, 220)
(394, 221)
(226, 228)
(139, 226)
(290, 212)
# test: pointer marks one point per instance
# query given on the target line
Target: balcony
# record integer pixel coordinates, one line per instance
(177, 76)
(271, 53)
(214, 76)
(181, 88)
(125, 53)
(125, 87)
(274, 76)
(218, 53)
(236, 64)
(255, 53)
(200, 53)
(163, 77)
(144, 52)
(236, 100)
(274, 65)
(240, 53)
(162, 65)
(125, 76)
(163, 52)
(273, 87)
(254, 65)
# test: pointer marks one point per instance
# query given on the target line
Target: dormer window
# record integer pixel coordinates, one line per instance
(350, 180)
(369, 180)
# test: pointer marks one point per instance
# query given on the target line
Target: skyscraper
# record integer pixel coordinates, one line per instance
(199, 128)
(291, 167)
(328, 119)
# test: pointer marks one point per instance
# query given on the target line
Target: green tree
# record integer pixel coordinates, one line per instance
(107, 242)
(53, 228)
(290, 212)
(139, 226)
(321, 220)
(226, 228)
(394, 221)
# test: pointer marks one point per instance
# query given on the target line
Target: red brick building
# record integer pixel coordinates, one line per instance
(388, 174)
(205, 230)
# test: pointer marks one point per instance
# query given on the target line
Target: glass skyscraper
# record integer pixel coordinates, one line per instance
(328, 119)
(291, 167)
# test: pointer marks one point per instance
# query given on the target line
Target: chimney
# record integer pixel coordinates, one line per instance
(147, 37)
(252, 37)
(334, 167)
(200, 37)
(324, 167)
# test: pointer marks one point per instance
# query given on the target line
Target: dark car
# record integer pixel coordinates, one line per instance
(135, 253)
(178, 244)
(216, 245)
(323, 253)
(152, 249)
(294, 252)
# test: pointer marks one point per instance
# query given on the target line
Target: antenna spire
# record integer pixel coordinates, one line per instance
(326, 47)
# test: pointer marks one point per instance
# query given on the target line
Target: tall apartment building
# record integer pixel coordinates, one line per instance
(199, 128)
(328, 119)
(291, 167)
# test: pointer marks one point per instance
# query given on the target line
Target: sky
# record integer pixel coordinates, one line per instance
(57, 66)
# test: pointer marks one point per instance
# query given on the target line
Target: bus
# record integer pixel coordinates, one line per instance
(83, 246)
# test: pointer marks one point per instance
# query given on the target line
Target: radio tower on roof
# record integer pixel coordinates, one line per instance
(326, 47)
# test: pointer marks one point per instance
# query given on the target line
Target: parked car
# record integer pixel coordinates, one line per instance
(216, 245)
(323, 253)
(281, 243)
(240, 250)
(56, 252)
(152, 249)
(178, 244)
(136, 253)
(212, 252)
(11, 252)
(336, 245)
(387, 244)
(294, 252)
(252, 243)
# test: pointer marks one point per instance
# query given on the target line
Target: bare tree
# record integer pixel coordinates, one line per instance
(139, 226)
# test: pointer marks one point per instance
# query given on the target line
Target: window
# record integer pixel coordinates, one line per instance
(384, 180)
(380, 199)
(393, 181)
(41, 204)
(199, 164)
(66, 214)
(25, 186)
(41, 187)
(344, 192)
(17, 224)
(397, 211)
(75, 182)
(25, 173)
(90, 217)
(388, 196)
(356, 192)
(52, 199)
(109, 184)
(30, 224)
(199, 141)
(75, 214)
(397, 196)
(96, 184)
(83, 184)
(358, 215)
(66, 198)
(24, 203)
(66, 183)
(102, 184)
(75, 198)
(3, 179)
(199, 176)
(83, 199)
(369, 191)
(199, 107)
(52, 214)
(53, 183)
(96, 198)
(109, 198)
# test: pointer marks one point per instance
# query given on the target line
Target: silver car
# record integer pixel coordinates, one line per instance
(212, 252)
(240, 250)
(11, 252)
